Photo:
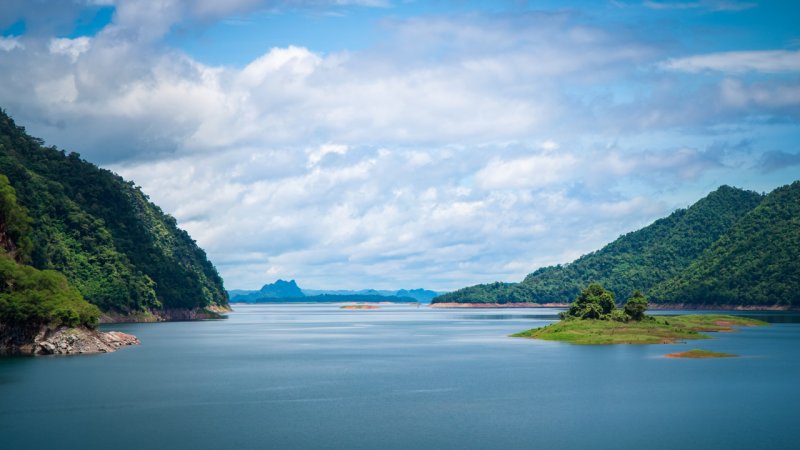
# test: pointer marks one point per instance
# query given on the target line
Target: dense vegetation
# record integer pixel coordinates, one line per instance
(756, 263)
(597, 303)
(497, 292)
(29, 296)
(643, 258)
(733, 247)
(118, 249)
(33, 297)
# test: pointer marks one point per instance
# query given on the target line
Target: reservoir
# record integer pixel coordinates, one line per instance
(402, 377)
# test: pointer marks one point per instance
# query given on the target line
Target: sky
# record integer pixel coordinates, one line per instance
(392, 144)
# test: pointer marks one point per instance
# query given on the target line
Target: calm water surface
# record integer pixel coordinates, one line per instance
(315, 376)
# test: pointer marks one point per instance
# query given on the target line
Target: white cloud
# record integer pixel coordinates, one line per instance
(316, 156)
(767, 61)
(747, 95)
(456, 150)
(70, 47)
(528, 172)
(549, 145)
(376, 219)
(8, 43)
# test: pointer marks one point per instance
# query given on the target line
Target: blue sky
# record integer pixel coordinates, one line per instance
(389, 144)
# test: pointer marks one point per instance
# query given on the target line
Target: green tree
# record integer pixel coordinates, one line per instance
(594, 302)
(636, 306)
(15, 225)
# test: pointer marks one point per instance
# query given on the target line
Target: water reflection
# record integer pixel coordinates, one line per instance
(316, 376)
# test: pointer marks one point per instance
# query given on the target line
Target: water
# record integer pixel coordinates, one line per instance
(315, 376)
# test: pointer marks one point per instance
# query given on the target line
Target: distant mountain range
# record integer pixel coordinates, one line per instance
(731, 248)
(289, 291)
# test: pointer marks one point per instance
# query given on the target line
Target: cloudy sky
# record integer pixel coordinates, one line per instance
(399, 143)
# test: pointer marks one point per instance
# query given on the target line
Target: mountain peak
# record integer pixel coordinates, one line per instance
(281, 289)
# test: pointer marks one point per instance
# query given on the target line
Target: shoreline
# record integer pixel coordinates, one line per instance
(499, 305)
(167, 315)
(339, 303)
(700, 307)
(652, 306)
(61, 340)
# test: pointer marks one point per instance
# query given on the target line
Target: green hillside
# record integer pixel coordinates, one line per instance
(757, 262)
(119, 250)
(31, 297)
(635, 261)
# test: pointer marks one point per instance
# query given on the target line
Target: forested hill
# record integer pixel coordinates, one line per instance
(120, 251)
(757, 262)
(637, 260)
(643, 258)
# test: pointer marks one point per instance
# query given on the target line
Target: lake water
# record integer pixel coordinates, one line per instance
(315, 376)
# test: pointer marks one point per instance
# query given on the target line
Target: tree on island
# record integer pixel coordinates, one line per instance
(595, 302)
(636, 306)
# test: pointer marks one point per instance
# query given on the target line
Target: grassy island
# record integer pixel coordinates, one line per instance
(699, 354)
(594, 319)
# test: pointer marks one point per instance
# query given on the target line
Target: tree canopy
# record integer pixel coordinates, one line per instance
(595, 302)
(118, 249)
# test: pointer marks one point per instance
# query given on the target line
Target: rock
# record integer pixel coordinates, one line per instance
(47, 348)
(62, 340)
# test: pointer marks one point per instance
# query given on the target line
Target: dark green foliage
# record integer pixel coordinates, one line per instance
(15, 225)
(636, 306)
(35, 297)
(594, 302)
(489, 293)
(756, 263)
(644, 258)
(31, 297)
(635, 261)
(117, 248)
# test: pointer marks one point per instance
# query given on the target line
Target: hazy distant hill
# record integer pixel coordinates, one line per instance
(326, 298)
(120, 251)
(757, 262)
(280, 288)
(644, 259)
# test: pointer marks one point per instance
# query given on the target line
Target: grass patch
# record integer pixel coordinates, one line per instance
(711, 322)
(657, 330)
(698, 353)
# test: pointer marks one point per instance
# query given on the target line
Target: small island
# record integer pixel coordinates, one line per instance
(700, 354)
(594, 318)
(359, 307)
